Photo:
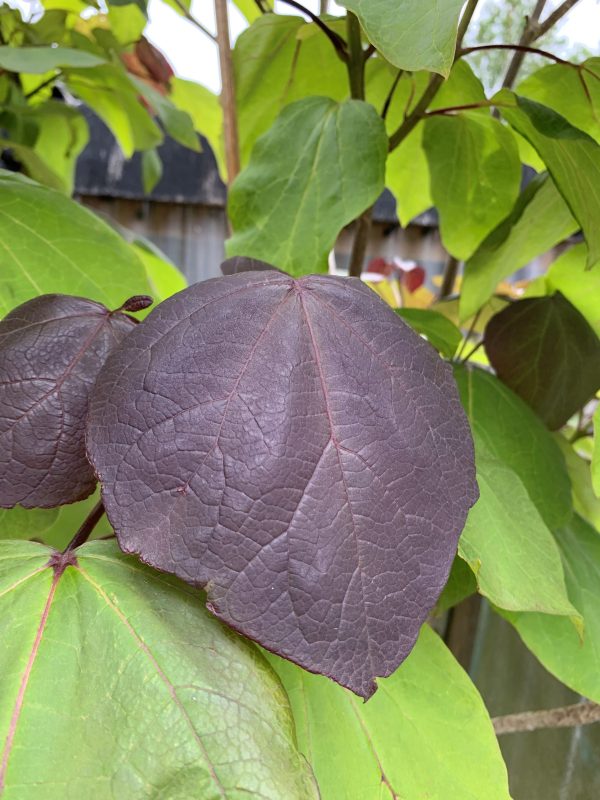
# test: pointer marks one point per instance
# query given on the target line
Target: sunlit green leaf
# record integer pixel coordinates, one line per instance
(151, 169)
(177, 122)
(424, 734)
(554, 640)
(320, 165)
(52, 244)
(585, 501)
(109, 92)
(539, 220)
(42, 59)
(513, 434)
(574, 93)
(129, 665)
(572, 158)
(595, 466)
(579, 285)
(508, 546)
(475, 176)
(277, 61)
(437, 329)
(206, 113)
(419, 34)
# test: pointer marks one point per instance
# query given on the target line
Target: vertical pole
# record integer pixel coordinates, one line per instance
(230, 129)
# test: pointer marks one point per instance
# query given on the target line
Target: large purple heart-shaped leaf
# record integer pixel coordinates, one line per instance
(51, 351)
(293, 447)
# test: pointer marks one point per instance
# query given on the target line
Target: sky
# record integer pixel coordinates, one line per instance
(194, 56)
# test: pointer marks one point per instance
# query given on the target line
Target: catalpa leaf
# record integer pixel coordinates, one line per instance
(51, 351)
(546, 352)
(296, 449)
(122, 668)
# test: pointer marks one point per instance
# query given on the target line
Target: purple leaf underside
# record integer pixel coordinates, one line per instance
(51, 351)
(293, 447)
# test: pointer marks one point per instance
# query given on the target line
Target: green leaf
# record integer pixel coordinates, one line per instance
(513, 434)
(573, 92)
(26, 523)
(475, 176)
(553, 640)
(127, 666)
(461, 584)
(163, 276)
(177, 123)
(36, 60)
(419, 34)
(579, 285)
(585, 501)
(109, 92)
(407, 170)
(248, 8)
(546, 352)
(424, 734)
(508, 546)
(277, 61)
(127, 22)
(50, 244)
(151, 169)
(539, 220)
(206, 113)
(572, 158)
(595, 466)
(320, 165)
(437, 329)
(62, 133)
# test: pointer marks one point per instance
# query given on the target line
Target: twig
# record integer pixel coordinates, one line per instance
(520, 48)
(527, 37)
(468, 335)
(355, 61)
(43, 85)
(451, 109)
(185, 12)
(449, 277)
(465, 21)
(417, 113)
(390, 94)
(359, 245)
(554, 17)
(472, 352)
(565, 717)
(86, 528)
(336, 40)
(230, 130)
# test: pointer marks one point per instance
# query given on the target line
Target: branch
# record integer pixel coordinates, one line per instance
(390, 95)
(465, 21)
(565, 717)
(185, 12)
(230, 130)
(43, 84)
(86, 528)
(415, 115)
(355, 61)
(465, 107)
(360, 242)
(336, 40)
(520, 48)
(551, 21)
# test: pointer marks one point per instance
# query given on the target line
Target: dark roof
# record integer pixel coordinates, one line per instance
(188, 177)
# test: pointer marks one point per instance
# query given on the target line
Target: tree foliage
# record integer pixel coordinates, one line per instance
(297, 466)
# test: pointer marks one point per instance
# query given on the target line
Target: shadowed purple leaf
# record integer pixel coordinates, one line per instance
(51, 350)
(545, 350)
(299, 451)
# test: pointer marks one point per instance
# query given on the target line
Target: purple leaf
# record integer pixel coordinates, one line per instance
(51, 350)
(294, 448)
(231, 266)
